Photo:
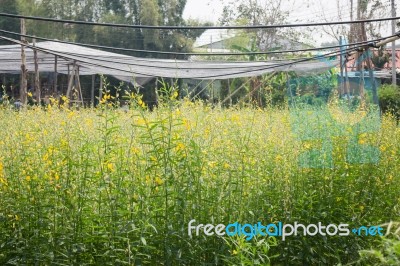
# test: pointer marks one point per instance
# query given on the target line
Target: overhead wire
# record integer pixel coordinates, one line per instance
(194, 27)
(124, 61)
(201, 77)
(189, 53)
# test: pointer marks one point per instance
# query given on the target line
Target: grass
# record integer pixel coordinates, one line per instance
(113, 187)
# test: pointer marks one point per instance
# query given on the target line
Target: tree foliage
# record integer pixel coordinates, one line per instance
(8, 6)
(138, 12)
(266, 12)
(357, 10)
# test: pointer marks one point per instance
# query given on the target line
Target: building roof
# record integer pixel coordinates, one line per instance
(211, 37)
(352, 63)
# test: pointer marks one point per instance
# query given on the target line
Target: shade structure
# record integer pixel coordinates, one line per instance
(93, 61)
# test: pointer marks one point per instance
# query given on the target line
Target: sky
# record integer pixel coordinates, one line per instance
(204, 10)
(208, 10)
(300, 10)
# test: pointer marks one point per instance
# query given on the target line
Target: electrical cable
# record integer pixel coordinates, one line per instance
(201, 77)
(273, 66)
(190, 54)
(194, 27)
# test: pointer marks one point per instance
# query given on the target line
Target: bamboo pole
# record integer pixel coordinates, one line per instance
(361, 86)
(92, 91)
(24, 83)
(55, 74)
(78, 85)
(71, 80)
(372, 79)
(37, 77)
(101, 88)
(342, 90)
(393, 44)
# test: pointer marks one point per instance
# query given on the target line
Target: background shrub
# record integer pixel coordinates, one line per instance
(389, 100)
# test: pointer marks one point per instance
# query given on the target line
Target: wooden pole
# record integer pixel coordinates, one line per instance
(229, 97)
(347, 84)
(345, 79)
(341, 66)
(37, 78)
(24, 83)
(71, 81)
(55, 74)
(393, 45)
(372, 79)
(101, 88)
(78, 85)
(3, 81)
(69, 75)
(92, 91)
(229, 91)
(363, 35)
(361, 87)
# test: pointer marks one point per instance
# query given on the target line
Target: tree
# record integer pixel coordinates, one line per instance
(360, 10)
(380, 59)
(8, 24)
(138, 12)
(149, 15)
(115, 6)
(260, 90)
(252, 12)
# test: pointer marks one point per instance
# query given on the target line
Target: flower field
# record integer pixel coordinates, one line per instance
(118, 187)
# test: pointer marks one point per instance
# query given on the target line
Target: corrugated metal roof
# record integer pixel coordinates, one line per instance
(212, 36)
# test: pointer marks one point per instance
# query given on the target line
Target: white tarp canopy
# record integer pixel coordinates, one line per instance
(93, 61)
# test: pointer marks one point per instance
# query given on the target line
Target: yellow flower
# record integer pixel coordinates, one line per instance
(278, 158)
(307, 145)
(71, 114)
(235, 118)
(110, 167)
(174, 95)
(148, 180)
(28, 178)
(141, 103)
(212, 164)
(159, 181)
(186, 123)
(141, 121)
(135, 150)
(180, 147)
(361, 141)
(234, 252)
(3, 181)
